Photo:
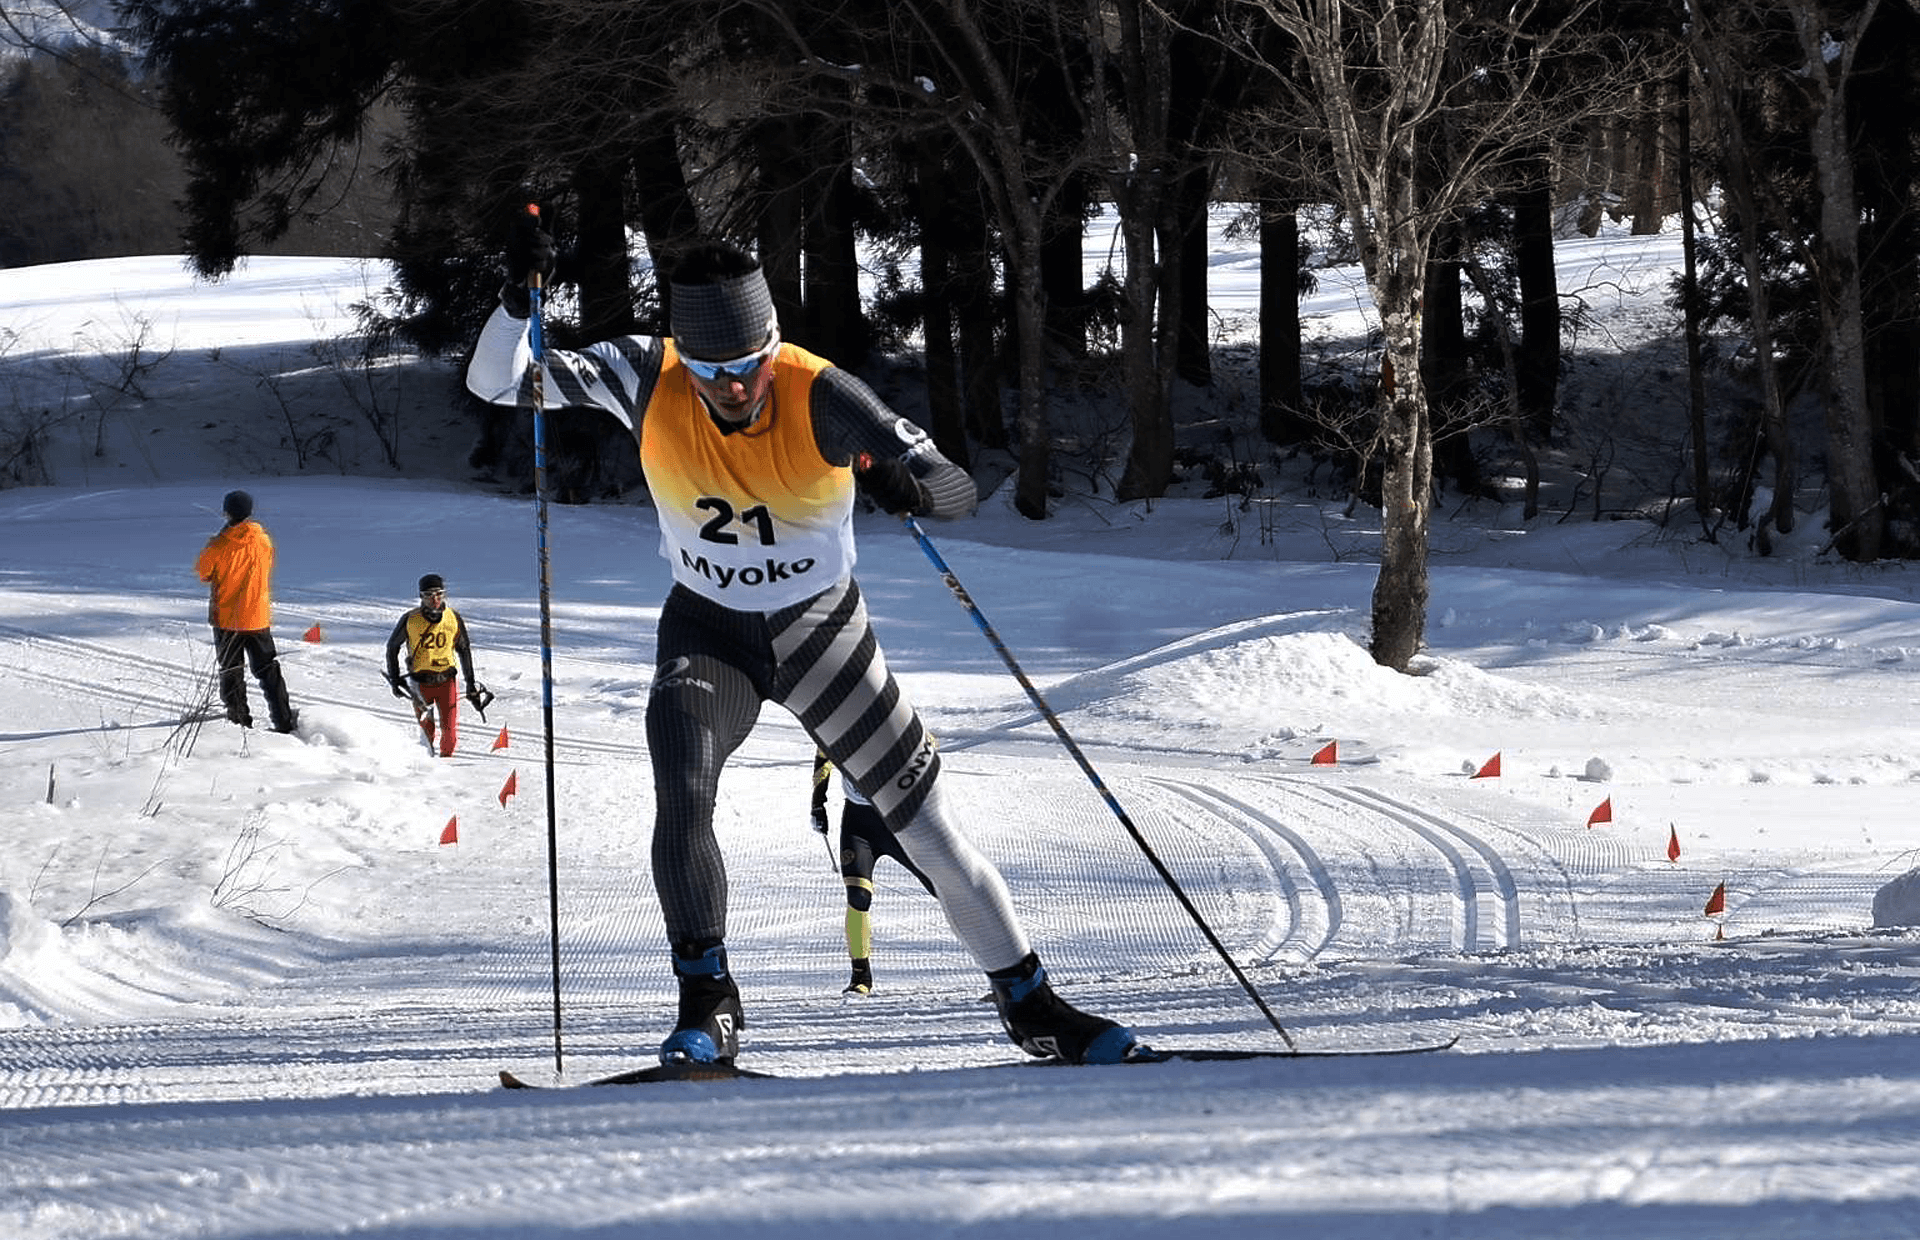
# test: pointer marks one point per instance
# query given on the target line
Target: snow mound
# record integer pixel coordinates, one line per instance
(1898, 903)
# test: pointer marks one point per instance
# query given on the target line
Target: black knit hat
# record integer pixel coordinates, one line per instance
(721, 306)
(238, 505)
(431, 582)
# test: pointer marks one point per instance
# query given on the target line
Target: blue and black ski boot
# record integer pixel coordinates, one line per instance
(708, 1030)
(1046, 1026)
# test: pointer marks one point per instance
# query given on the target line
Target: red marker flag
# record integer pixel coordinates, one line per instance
(499, 742)
(1491, 770)
(313, 635)
(1717, 902)
(509, 788)
(450, 834)
(1673, 843)
(1602, 812)
(1329, 754)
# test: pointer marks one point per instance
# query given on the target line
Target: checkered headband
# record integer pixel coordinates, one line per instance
(731, 317)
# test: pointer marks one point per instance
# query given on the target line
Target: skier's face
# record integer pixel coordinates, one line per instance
(735, 388)
(433, 600)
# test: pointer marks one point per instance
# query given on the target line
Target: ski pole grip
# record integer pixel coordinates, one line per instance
(533, 277)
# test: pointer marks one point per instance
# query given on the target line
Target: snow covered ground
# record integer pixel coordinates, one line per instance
(247, 991)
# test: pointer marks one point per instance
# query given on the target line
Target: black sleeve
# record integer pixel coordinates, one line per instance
(463, 647)
(395, 644)
(849, 418)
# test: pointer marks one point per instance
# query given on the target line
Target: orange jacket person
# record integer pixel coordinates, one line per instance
(238, 564)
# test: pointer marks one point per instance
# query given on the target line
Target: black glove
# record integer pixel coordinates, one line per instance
(399, 690)
(890, 484)
(478, 695)
(529, 251)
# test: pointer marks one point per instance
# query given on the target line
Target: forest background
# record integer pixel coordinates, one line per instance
(917, 176)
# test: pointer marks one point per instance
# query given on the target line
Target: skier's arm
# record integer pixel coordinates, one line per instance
(614, 375)
(396, 642)
(850, 421)
(463, 648)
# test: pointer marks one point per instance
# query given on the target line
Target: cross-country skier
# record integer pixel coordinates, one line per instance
(864, 839)
(748, 446)
(434, 636)
(237, 565)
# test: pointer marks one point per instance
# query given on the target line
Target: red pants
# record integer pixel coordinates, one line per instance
(446, 697)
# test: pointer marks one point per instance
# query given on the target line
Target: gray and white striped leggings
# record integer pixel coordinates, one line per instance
(819, 659)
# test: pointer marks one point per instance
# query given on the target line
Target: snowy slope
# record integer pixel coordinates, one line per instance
(245, 991)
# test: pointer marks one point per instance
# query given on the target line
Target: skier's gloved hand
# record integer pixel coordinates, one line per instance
(399, 690)
(477, 695)
(530, 252)
(890, 484)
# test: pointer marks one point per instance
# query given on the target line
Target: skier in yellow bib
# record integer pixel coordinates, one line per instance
(749, 447)
(434, 636)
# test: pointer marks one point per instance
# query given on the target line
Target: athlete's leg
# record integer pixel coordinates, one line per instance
(449, 718)
(832, 675)
(229, 656)
(440, 699)
(265, 661)
(704, 701)
(856, 869)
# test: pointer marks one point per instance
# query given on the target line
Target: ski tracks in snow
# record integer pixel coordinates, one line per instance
(1358, 870)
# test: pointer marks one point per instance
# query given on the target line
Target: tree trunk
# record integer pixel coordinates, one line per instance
(1858, 518)
(1280, 395)
(1400, 594)
(1194, 357)
(667, 213)
(606, 291)
(834, 315)
(1063, 269)
(1720, 74)
(1890, 275)
(1537, 359)
(781, 223)
(1443, 361)
(1691, 310)
(1146, 337)
(1646, 163)
(1032, 481)
(946, 414)
(982, 368)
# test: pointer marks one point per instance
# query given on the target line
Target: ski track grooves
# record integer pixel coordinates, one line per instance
(1316, 926)
(1492, 902)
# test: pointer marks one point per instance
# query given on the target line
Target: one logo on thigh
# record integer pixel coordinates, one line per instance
(676, 673)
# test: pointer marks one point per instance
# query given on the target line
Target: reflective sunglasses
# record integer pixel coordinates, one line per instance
(735, 370)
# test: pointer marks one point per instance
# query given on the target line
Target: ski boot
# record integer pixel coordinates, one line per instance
(1044, 1025)
(708, 1030)
(862, 983)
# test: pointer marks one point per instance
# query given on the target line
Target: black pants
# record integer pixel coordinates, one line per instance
(234, 650)
(864, 839)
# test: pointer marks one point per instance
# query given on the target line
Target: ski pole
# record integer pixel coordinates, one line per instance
(1059, 730)
(536, 372)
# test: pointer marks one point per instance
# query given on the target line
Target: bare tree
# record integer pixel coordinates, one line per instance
(1830, 37)
(1390, 87)
(1722, 64)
